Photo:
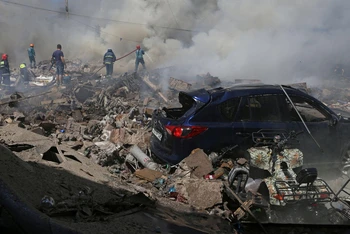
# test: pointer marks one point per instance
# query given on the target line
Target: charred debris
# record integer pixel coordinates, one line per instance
(107, 122)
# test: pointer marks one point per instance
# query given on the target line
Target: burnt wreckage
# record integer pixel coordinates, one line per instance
(233, 120)
(280, 183)
(237, 164)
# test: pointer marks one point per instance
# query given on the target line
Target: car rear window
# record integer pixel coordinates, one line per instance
(187, 103)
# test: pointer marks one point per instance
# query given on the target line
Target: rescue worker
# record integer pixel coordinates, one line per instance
(24, 73)
(5, 70)
(108, 60)
(31, 54)
(60, 64)
(139, 58)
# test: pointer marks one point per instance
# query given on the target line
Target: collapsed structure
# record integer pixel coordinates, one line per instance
(107, 122)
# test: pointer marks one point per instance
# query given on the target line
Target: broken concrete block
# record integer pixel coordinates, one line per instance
(18, 116)
(91, 125)
(46, 102)
(148, 174)
(146, 101)
(60, 100)
(60, 119)
(208, 80)
(55, 101)
(8, 120)
(200, 162)
(200, 193)
(77, 116)
(68, 137)
(74, 127)
(179, 85)
(149, 111)
(87, 144)
(117, 135)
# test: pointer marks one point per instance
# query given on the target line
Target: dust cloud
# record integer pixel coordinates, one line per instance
(276, 41)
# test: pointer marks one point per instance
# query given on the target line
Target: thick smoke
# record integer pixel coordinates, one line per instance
(275, 41)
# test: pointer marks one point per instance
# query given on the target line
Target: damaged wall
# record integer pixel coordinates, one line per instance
(274, 41)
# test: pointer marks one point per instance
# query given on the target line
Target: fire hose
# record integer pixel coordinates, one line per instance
(115, 60)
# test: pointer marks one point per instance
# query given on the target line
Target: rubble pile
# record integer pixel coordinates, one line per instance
(334, 97)
(107, 122)
(102, 120)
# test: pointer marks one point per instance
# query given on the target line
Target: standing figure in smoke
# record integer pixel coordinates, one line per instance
(60, 64)
(31, 55)
(139, 58)
(5, 71)
(108, 60)
(23, 73)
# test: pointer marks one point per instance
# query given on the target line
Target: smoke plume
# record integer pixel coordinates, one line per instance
(275, 40)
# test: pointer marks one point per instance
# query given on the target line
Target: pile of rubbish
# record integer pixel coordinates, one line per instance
(108, 122)
(104, 120)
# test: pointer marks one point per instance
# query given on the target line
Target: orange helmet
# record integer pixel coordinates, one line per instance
(4, 56)
(31, 45)
(138, 47)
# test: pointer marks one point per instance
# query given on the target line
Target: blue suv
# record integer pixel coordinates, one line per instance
(222, 117)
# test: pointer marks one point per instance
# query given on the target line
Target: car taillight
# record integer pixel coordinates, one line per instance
(185, 131)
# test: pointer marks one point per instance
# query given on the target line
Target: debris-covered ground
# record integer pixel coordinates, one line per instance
(83, 157)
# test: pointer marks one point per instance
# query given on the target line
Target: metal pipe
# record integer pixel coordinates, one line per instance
(143, 158)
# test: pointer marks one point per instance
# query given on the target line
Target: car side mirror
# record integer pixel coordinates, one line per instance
(333, 121)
